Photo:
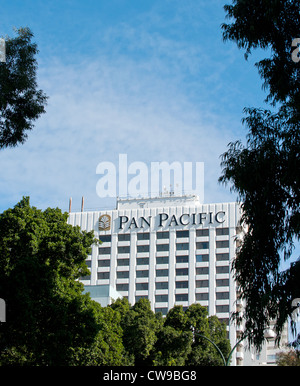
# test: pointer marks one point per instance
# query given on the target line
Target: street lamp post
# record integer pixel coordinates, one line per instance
(205, 337)
(268, 334)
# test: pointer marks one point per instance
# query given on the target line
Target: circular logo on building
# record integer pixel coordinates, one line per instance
(104, 222)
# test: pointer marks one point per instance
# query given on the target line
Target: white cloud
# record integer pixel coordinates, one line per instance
(154, 107)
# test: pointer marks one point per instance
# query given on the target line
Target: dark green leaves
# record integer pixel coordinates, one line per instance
(151, 340)
(272, 25)
(49, 320)
(265, 172)
(21, 103)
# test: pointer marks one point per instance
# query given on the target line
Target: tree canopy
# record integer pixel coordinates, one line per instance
(21, 102)
(265, 171)
(150, 339)
(49, 320)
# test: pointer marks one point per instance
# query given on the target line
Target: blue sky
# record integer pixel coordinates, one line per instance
(152, 79)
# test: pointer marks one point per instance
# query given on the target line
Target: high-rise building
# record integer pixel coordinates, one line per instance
(172, 250)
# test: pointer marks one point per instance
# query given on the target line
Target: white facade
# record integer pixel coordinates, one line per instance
(171, 250)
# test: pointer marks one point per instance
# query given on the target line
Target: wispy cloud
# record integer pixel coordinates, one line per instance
(152, 96)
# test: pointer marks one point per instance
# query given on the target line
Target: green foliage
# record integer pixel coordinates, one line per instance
(150, 339)
(203, 351)
(21, 103)
(272, 25)
(172, 347)
(140, 326)
(107, 347)
(49, 320)
(265, 172)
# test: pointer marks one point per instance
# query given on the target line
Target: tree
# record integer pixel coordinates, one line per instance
(203, 351)
(21, 103)
(271, 25)
(177, 345)
(107, 348)
(290, 358)
(264, 172)
(49, 320)
(174, 340)
(140, 326)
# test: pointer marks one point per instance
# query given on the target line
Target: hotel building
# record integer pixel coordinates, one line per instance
(173, 250)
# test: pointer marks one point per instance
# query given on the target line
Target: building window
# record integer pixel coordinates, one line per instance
(181, 234)
(105, 238)
(271, 358)
(124, 249)
(142, 261)
(224, 308)
(122, 262)
(222, 256)
(202, 232)
(224, 320)
(137, 298)
(202, 271)
(224, 269)
(143, 273)
(202, 296)
(182, 284)
(222, 295)
(88, 277)
(143, 236)
(162, 247)
(104, 250)
(122, 287)
(103, 275)
(124, 237)
(142, 248)
(182, 247)
(162, 272)
(164, 311)
(202, 283)
(202, 258)
(161, 285)
(222, 244)
(222, 232)
(122, 274)
(103, 263)
(222, 282)
(181, 298)
(162, 235)
(141, 286)
(182, 271)
(162, 260)
(202, 245)
(182, 259)
(161, 298)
